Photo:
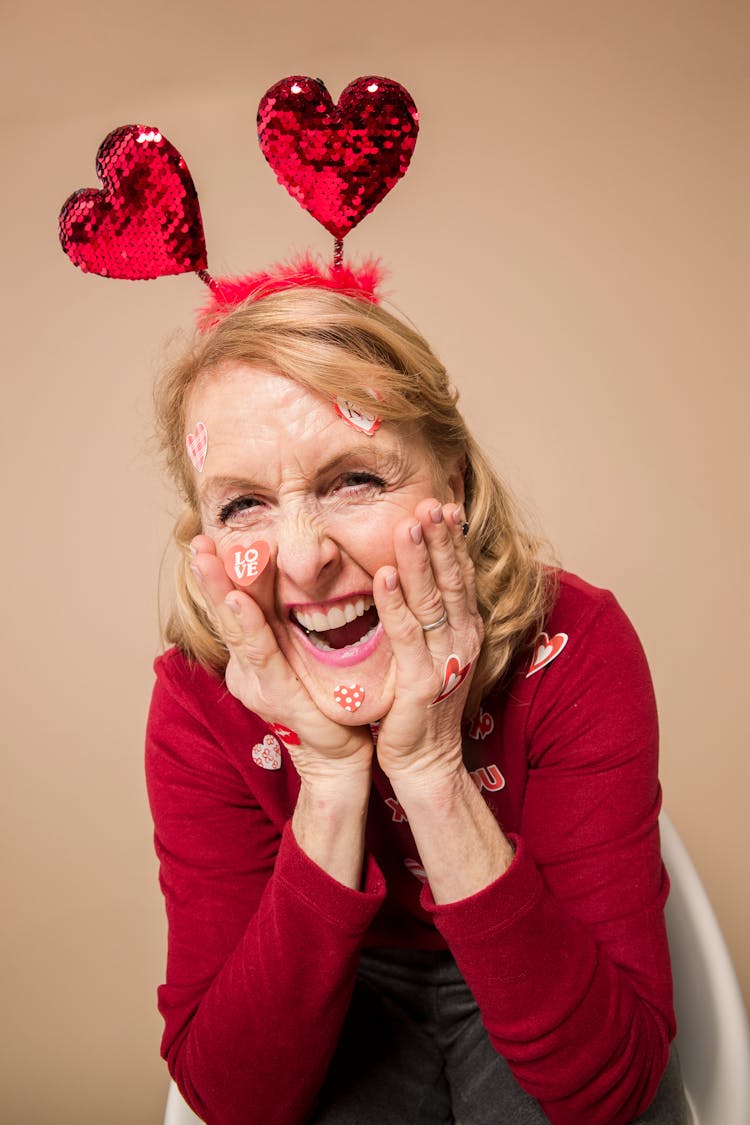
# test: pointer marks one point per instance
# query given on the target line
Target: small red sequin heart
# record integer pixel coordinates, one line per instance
(267, 754)
(245, 564)
(145, 222)
(338, 161)
(350, 697)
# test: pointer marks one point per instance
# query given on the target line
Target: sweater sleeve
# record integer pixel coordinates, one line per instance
(566, 953)
(263, 944)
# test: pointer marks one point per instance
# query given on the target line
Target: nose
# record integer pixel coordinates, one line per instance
(306, 554)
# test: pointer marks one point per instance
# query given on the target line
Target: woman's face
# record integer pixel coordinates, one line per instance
(283, 467)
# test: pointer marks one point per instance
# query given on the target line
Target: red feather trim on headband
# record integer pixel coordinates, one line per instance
(304, 272)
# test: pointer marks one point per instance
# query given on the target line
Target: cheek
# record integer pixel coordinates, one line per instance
(366, 539)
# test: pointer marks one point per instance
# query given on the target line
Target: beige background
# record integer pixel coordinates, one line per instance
(573, 238)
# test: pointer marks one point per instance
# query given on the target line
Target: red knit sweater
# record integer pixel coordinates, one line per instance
(566, 953)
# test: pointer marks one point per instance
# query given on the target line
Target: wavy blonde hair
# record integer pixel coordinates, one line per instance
(335, 345)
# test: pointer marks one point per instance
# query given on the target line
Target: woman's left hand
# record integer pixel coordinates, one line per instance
(419, 740)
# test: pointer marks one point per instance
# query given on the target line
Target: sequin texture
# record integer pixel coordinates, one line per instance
(338, 161)
(146, 221)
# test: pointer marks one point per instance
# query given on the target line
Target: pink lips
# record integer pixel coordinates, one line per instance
(343, 657)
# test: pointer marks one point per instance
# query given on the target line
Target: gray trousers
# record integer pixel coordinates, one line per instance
(414, 1050)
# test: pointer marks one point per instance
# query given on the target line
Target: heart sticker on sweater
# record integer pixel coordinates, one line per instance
(197, 444)
(245, 564)
(350, 697)
(267, 754)
(545, 651)
(453, 676)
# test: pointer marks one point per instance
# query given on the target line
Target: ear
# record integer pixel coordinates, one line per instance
(456, 481)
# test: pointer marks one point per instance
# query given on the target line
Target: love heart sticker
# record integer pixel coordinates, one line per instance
(349, 696)
(545, 650)
(290, 737)
(267, 754)
(453, 676)
(366, 423)
(197, 444)
(245, 564)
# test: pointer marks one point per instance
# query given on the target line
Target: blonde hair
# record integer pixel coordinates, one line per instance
(334, 346)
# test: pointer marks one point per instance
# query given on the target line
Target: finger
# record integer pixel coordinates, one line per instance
(444, 561)
(455, 519)
(202, 545)
(419, 589)
(402, 628)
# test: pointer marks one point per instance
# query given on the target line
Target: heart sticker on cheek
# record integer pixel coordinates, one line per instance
(453, 676)
(197, 444)
(245, 564)
(349, 697)
(267, 754)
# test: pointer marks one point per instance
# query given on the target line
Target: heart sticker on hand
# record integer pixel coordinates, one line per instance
(245, 564)
(290, 737)
(197, 445)
(145, 222)
(453, 676)
(545, 651)
(267, 754)
(349, 697)
(338, 161)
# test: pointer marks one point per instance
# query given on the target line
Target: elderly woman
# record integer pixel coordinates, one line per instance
(403, 774)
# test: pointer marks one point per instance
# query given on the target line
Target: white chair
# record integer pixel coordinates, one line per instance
(713, 1037)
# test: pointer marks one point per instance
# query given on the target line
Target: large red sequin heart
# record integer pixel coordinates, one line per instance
(338, 161)
(146, 221)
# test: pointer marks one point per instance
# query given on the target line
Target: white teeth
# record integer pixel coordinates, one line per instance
(337, 616)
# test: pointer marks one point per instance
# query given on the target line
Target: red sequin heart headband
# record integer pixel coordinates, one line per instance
(337, 161)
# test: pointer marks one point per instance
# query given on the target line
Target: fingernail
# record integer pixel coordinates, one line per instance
(457, 516)
(436, 514)
(198, 575)
(193, 551)
(416, 532)
(232, 604)
(391, 580)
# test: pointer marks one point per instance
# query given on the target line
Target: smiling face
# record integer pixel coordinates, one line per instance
(284, 468)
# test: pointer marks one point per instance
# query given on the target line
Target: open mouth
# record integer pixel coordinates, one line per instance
(348, 623)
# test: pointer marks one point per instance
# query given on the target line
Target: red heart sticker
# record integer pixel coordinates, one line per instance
(267, 754)
(453, 676)
(350, 697)
(545, 650)
(338, 161)
(197, 444)
(290, 737)
(365, 423)
(245, 564)
(145, 222)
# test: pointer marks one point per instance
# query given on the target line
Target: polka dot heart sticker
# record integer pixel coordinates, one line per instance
(267, 754)
(245, 564)
(350, 697)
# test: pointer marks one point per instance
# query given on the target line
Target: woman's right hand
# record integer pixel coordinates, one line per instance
(259, 675)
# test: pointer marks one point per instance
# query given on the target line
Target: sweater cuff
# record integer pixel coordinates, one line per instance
(493, 909)
(347, 909)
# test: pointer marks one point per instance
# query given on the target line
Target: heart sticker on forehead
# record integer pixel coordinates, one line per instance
(366, 423)
(197, 444)
(245, 564)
